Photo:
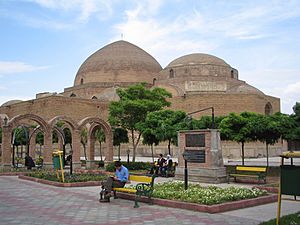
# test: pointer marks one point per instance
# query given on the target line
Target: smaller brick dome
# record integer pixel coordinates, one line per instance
(119, 61)
(197, 58)
(11, 102)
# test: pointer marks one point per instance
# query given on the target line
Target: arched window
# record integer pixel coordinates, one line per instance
(171, 73)
(72, 95)
(232, 74)
(81, 81)
(94, 97)
(268, 109)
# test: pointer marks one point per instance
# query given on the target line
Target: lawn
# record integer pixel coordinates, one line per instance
(292, 219)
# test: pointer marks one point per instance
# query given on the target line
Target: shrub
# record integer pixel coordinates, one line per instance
(130, 166)
(51, 175)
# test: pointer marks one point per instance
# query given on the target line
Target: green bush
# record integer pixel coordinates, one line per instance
(292, 219)
(130, 166)
(51, 175)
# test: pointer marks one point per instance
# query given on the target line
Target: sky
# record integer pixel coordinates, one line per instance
(44, 42)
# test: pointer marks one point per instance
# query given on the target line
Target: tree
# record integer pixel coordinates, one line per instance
(266, 129)
(236, 128)
(135, 103)
(39, 140)
(100, 137)
(150, 139)
(295, 117)
(120, 136)
(164, 125)
(83, 140)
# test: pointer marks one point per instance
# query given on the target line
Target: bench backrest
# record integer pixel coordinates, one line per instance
(252, 169)
(143, 179)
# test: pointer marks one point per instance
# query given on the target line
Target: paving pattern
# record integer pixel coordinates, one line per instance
(25, 202)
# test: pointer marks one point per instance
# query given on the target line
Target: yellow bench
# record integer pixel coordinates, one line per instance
(248, 171)
(144, 187)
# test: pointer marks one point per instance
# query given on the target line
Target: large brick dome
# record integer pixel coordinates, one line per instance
(119, 61)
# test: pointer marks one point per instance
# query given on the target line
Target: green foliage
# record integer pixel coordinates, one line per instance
(39, 138)
(100, 136)
(162, 125)
(120, 136)
(50, 175)
(20, 135)
(294, 132)
(135, 103)
(131, 166)
(209, 195)
(292, 219)
(68, 136)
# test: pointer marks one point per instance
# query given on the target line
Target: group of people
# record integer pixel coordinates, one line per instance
(161, 166)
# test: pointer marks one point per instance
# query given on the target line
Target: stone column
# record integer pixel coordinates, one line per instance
(6, 146)
(109, 154)
(48, 149)
(32, 144)
(91, 162)
(76, 149)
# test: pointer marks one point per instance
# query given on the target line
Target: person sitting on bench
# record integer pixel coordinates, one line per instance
(119, 181)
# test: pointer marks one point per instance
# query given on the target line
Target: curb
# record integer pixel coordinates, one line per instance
(58, 184)
(223, 207)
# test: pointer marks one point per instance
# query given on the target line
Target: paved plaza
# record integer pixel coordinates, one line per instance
(25, 202)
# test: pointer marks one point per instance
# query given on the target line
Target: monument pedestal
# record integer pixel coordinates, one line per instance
(202, 151)
(203, 175)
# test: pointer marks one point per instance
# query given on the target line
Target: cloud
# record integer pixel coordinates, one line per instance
(293, 88)
(87, 8)
(11, 67)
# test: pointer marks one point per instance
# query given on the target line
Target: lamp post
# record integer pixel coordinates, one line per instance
(212, 115)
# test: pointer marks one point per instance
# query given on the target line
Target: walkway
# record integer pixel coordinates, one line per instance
(24, 202)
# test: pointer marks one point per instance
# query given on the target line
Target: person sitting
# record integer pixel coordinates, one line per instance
(161, 163)
(169, 164)
(29, 163)
(119, 181)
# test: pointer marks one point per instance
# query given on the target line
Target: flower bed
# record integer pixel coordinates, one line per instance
(204, 195)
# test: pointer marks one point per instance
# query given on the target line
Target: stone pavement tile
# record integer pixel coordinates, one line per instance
(26, 202)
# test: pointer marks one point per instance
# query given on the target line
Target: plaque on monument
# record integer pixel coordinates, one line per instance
(194, 156)
(195, 140)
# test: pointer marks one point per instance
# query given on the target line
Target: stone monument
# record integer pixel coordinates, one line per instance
(203, 154)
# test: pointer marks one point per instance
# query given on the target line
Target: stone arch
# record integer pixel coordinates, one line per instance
(72, 126)
(94, 121)
(15, 121)
(68, 120)
(268, 109)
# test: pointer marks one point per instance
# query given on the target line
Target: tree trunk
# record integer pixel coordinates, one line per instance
(267, 148)
(100, 144)
(169, 147)
(243, 154)
(119, 152)
(134, 144)
(84, 151)
(152, 153)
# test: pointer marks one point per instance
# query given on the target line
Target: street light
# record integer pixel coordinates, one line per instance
(212, 115)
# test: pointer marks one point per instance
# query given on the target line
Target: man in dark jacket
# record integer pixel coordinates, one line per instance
(29, 163)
